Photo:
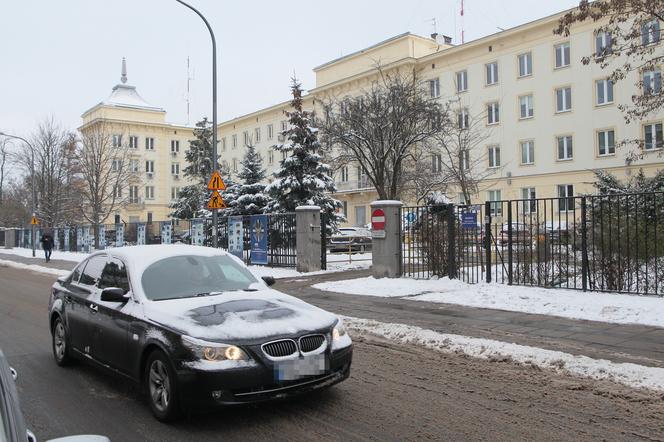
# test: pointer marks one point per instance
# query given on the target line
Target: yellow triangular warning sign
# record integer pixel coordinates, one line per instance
(216, 201)
(216, 183)
(34, 220)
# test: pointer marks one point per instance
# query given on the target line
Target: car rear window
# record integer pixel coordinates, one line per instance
(192, 275)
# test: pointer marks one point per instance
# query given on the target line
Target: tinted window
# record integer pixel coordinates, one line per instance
(114, 275)
(186, 276)
(76, 273)
(93, 269)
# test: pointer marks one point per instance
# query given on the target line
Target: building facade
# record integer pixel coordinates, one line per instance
(550, 120)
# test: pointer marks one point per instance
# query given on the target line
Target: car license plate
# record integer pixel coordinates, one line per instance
(293, 369)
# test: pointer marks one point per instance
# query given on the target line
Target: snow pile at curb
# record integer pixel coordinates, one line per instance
(58, 255)
(573, 304)
(34, 268)
(632, 375)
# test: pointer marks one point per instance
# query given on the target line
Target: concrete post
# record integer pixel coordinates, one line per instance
(386, 247)
(307, 228)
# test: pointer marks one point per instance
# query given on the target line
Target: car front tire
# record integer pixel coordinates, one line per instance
(161, 387)
(60, 343)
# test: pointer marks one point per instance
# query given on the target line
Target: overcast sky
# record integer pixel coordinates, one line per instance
(62, 57)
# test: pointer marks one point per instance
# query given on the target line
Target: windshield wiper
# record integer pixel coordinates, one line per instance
(206, 294)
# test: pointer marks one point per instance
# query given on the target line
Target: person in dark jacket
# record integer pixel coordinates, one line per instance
(47, 244)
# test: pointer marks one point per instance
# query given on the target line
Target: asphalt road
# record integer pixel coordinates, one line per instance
(395, 392)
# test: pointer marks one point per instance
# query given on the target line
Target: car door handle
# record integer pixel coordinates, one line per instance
(94, 308)
(68, 299)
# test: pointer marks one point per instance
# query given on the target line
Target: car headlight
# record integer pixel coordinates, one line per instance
(339, 331)
(340, 338)
(213, 351)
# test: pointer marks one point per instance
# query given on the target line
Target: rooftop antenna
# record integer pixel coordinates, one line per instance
(188, 98)
(433, 24)
(463, 31)
(123, 78)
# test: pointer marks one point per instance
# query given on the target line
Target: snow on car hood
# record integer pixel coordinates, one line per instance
(239, 315)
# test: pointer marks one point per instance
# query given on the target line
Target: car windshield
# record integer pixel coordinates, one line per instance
(192, 275)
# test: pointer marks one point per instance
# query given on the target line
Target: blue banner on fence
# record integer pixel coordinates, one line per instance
(166, 232)
(66, 239)
(469, 220)
(119, 235)
(236, 236)
(140, 234)
(102, 236)
(258, 226)
(197, 232)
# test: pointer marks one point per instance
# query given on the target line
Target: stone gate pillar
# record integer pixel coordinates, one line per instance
(308, 238)
(386, 238)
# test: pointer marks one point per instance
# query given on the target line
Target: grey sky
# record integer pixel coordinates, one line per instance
(62, 57)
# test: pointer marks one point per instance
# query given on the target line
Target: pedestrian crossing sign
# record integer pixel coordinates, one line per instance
(216, 183)
(216, 201)
(34, 221)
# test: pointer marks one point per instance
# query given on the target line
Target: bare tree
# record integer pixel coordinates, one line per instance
(423, 175)
(3, 161)
(380, 128)
(103, 164)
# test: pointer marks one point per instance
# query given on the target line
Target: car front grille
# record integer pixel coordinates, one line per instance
(311, 342)
(280, 349)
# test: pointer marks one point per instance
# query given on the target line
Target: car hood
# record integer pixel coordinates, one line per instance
(240, 315)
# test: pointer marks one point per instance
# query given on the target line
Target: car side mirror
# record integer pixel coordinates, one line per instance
(113, 294)
(269, 280)
(62, 279)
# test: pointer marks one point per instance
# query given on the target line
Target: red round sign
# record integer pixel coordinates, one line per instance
(378, 219)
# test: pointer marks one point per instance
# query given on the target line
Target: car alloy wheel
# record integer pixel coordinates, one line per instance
(160, 385)
(60, 349)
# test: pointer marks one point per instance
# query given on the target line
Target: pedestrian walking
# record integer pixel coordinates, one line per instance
(47, 244)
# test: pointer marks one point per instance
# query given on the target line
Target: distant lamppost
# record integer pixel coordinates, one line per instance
(214, 110)
(32, 170)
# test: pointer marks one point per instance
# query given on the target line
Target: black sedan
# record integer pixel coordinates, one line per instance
(195, 328)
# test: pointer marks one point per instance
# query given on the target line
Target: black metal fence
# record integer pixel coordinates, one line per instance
(281, 241)
(608, 243)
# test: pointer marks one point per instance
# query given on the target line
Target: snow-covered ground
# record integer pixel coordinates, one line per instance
(39, 253)
(575, 304)
(632, 375)
(34, 268)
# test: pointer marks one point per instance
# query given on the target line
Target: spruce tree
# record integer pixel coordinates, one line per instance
(251, 198)
(303, 179)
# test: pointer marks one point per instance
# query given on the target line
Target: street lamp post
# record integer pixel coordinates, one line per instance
(214, 110)
(32, 171)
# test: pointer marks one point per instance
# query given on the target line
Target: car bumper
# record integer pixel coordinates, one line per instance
(201, 389)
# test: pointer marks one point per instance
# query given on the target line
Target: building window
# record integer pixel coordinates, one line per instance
(117, 141)
(149, 143)
(283, 155)
(495, 197)
(529, 195)
(117, 192)
(175, 146)
(270, 156)
(149, 166)
(257, 135)
(650, 32)
(652, 81)
(526, 109)
(270, 131)
(234, 164)
(133, 166)
(565, 147)
(462, 81)
(436, 163)
(223, 144)
(494, 156)
(562, 55)
(434, 88)
(149, 192)
(653, 136)
(247, 140)
(133, 142)
(525, 64)
(565, 197)
(606, 142)
(491, 73)
(175, 168)
(345, 208)
(564, 99)
(528, 152)
(175, 193)
(284, 126)
(602, 43)
(464, 159)
(493, 113)
(604, 89)
(462, 118)
(344, 174)
(133, 194)
(116, 165)
(462, 199)
(234, 141)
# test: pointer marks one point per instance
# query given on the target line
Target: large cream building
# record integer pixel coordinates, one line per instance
(550, 120)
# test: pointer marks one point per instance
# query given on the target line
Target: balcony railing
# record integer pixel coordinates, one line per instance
(357, 184)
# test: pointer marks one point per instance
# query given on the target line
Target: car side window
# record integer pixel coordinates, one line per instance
(76, 273)
(93, 269)
(114, 275)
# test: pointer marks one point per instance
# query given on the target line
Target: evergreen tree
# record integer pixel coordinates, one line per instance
(303, 178)
(251, 198)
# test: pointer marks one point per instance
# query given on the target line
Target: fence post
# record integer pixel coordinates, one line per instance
(308, 237)
(451, 231)
(584, 245)
(487, 239)
(509, 242)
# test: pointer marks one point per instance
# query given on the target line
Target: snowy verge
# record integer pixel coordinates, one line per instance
(34, 268)
(573, 304)
(58, 255)
(632, 375)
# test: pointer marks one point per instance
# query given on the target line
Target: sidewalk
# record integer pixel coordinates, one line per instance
(637, 344)
(39, 260)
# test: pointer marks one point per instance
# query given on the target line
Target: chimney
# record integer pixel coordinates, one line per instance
(434, 36)
(447, 39)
